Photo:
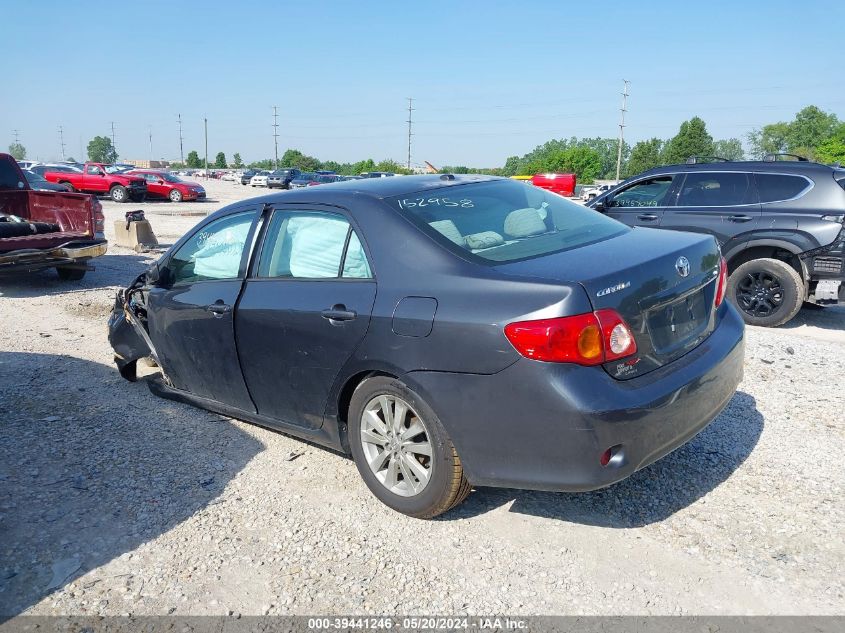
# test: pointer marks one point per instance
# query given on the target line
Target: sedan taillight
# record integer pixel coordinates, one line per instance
(722, 284)
(586, 339)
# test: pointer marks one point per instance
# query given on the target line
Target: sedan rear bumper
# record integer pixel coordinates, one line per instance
(545, 426)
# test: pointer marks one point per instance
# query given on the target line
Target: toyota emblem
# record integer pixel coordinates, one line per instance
(682, 266)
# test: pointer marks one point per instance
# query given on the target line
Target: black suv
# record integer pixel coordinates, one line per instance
(779, 224)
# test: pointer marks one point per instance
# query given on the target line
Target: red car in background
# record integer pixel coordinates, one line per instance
(163, 184)
(561, 184)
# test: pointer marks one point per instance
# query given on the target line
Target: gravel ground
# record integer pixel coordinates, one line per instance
(113, 501)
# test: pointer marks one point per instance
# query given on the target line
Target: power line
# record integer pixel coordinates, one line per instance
(181, 149)
(410, 110)
(276, 136)
(622, 111)
(62, 141)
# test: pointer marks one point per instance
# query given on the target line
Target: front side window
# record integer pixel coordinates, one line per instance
(716, 190)
(214, 252)
(646, 193)
(776, 187)
(93, 170)
(302, 245)
(504, 220)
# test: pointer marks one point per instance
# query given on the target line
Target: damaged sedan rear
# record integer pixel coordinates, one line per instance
(447, 331)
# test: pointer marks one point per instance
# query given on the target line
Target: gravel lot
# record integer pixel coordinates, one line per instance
(113, 501)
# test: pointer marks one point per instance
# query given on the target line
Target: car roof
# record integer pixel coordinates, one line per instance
(400, 185)
(781, 166)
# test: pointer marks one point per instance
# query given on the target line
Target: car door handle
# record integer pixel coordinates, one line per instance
(219, 309)
(740, 218)
(338, 313)
(647, 216)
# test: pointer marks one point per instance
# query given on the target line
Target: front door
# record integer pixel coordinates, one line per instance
(191, 321)
(303, 313)
(94, 179)
(156, 187)
(723, 204)
(642, 203)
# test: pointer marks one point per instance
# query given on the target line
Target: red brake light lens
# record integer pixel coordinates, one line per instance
(722, 285)
(585, 339)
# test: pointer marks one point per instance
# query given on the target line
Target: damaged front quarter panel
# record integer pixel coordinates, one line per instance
(128, 333)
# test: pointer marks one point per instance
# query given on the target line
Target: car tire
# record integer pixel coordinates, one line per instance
(69, 186)
(444, 486)
(70, 274)
(118, 193)
(175, 195)
(767, 292)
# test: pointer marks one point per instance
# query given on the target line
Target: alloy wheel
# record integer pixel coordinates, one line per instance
(396, 445)
(760, 294)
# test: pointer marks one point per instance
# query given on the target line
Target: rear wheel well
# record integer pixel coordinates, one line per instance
(345, 398)
(766, 252)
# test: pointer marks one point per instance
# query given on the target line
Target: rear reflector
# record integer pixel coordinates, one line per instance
(585, 339)
(722, 284)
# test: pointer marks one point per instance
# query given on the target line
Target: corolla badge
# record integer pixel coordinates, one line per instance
(682, 266)
(612, 289)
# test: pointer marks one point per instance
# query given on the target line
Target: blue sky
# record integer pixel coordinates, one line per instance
(489, 79)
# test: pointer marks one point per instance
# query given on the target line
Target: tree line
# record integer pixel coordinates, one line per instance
(812, 133)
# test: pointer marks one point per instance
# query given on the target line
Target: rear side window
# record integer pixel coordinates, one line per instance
(776, 187)
(723, 189)
(840, 178)
(9, 177)
(304, 245)
(504, 220)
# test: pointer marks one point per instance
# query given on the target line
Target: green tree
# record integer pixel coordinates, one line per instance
(101, 150)
(238, 162)
(584, 162)
(691, 140)
(332, 166)
(392, 166)
(17, 151)
(644, 156)
(833, 149)
(770, 139)
(363, 165)
(193, 160)
(811, 128)
(730, 148)
(220, 161)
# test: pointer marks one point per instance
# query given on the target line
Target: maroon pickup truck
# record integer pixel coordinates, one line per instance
(95, 178)
(47, 229)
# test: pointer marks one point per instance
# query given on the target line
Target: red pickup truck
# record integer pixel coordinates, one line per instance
(95, 178)
(47, 229)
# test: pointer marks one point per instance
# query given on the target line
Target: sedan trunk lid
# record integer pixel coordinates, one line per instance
(663, 283)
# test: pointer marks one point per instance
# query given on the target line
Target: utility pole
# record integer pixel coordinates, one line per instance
(276, 135)
(151, 146)
(622, 111)
(410, 110)
(17, 133)
(113, 144)
(181, 150)
(62, 141)
(205, 124)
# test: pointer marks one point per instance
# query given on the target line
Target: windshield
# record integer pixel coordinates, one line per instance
(31, 176)
(170, 177)
(504, 220)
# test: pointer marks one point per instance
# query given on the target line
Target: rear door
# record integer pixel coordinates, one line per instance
(191, 322)
(641, 203)
(723, 204)
(303, 312)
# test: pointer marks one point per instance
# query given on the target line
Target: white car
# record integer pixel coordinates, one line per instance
(231, 176)
(259, 179)
(588, 193)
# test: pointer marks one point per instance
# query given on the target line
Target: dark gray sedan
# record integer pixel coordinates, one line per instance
(447, 331)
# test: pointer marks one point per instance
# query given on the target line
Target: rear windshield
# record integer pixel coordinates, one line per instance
(504, 220)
